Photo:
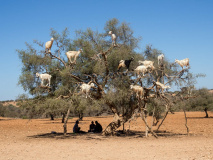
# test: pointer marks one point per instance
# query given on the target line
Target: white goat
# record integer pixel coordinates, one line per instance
(85, 88)
(138, 90)
(142, 69)
(113, 36)
(71, 54)
(160, 59)
(43, 77)
(152, 96)
(147, 63)
(163, 86)
(184, 62)
(48, 45)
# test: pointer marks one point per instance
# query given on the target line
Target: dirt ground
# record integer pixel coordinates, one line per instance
(22, 139)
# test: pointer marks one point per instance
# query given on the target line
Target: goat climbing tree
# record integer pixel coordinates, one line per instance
(97, 64)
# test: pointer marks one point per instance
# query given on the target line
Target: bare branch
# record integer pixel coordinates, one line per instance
(53, 56)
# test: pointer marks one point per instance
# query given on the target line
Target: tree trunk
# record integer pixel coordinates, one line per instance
(168, 108)
(206, 109)
(63, 117)
(147, 126)
(119, 121)
(162, 121)
(65, 122)
(52, 117)
(123, 123)
(145, 119)
(116, 123)
(80, 116)
(187, 128)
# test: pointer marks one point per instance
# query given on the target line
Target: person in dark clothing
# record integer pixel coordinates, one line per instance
(98, 127)
(76, 129)
(91, 127)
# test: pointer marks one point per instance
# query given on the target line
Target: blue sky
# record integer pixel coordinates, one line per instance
(179, 28)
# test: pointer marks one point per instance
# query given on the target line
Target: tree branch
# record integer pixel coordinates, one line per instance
(53, 56)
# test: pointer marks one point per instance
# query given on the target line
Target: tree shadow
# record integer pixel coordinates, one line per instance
(55, 135)
(199, 117)
(163, 133)
(102, 117)
(59, 123)
(69, 122)
(99, 136)
(141, 134)
(8, 119)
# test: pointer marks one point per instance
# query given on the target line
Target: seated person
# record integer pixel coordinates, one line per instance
(76, 129)
(98, 127)
(91, 127)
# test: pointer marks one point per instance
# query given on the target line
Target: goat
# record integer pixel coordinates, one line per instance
(125, 63)
(163, 86)
(142, 69)
(113, 36)
(138, 90)
(147, 63)
(152, 96)
(71, 54)
(43, 77)
(48, 45)
(160, 59)
(85, 88)
(184, 62)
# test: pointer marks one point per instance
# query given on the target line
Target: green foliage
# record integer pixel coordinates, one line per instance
(63, 82)
(204, 100)
(119, 97)
(10, 111)
(85, 105)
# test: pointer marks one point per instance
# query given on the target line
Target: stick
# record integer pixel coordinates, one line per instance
(150, 129)
(187, 128)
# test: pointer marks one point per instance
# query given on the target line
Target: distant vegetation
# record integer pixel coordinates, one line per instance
(10, 111)
(203, 102)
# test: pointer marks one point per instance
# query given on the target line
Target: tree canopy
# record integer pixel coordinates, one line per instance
(98, 64)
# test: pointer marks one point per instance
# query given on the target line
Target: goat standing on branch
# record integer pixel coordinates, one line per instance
(125, 63)
(147, 63)
(71, 54)
(138, 90)
(113, 36)
(162, 86)
(142, 69)
(184, 62)
(85, 88)
(160, 59)
(44, 77)
(48, 45)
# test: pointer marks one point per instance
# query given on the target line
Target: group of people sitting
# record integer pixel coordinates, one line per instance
(95, 128)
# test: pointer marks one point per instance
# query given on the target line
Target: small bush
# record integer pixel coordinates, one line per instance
(10, 111)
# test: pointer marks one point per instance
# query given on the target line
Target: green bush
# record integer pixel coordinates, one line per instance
(10, 111)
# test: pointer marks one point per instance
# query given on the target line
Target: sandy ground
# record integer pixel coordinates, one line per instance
(22, 139)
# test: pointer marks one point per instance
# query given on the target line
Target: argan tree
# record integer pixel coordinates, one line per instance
(97, 64)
